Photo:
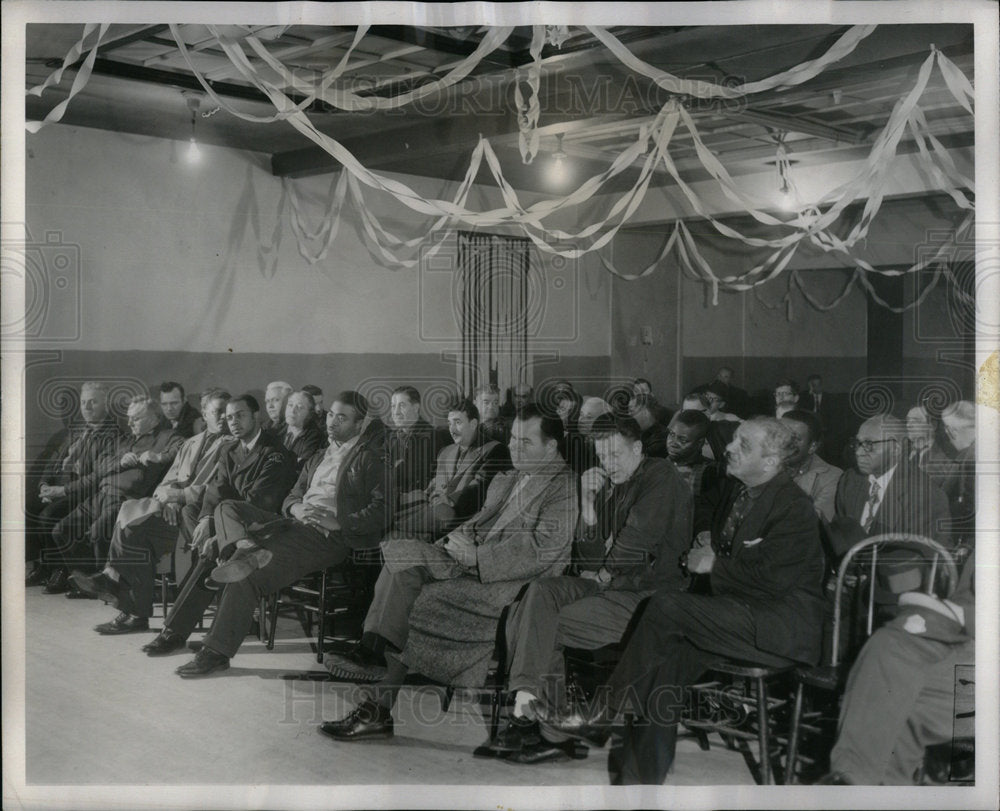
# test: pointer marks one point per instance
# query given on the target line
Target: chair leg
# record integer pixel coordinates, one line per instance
(321, 619)
(496, 701)
(793, 737)
(273, 624)
(163, 595)
(763, 735)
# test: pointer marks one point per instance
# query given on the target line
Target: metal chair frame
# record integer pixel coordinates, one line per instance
(833, 670)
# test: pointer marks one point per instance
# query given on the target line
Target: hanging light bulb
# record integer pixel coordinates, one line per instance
(193, 154)
(787, 199)
(558, 167)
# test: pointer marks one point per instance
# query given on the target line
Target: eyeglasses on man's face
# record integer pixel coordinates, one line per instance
(867, 445)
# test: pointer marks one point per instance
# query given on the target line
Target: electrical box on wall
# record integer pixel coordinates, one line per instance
(646, 336)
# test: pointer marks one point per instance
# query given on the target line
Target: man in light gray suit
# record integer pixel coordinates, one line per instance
(436, 606)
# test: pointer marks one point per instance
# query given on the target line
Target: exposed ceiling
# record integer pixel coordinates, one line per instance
(141, 83)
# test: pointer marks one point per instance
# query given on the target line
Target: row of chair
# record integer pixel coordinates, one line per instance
(744, 695)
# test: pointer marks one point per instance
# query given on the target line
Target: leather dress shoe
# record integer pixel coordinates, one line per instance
(592, 726)
(165, 642)
(243, 562)
(96, 585)
(123, 624)
(518, 733)
(545, 752)
(367, 721)
(360, 665)
(58, 582)
(205, 662)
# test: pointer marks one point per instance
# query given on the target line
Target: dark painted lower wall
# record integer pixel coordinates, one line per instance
(53, 378)
(930, 380)
(762, 373)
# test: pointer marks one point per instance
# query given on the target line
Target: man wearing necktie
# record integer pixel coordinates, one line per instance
(148, 528)
(764, 566)
(253, 476)
(436, 606)
(887, 492)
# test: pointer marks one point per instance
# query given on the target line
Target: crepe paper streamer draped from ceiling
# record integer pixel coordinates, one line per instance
(869, 183)
(528, 111)
(79, 81)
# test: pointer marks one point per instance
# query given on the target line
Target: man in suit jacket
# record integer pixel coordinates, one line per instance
(764, 566)
(69, 478)
(436, 606)
(886, 491)
(642, 507)
(254, 474)
(177, 410)
(135, 468)
(148, 528)
(817, 478)
(337, 505)
(411, 447)
(462, 475)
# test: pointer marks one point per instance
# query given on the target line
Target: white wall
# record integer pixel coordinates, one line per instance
(182, 257)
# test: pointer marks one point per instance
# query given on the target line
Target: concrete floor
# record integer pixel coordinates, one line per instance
(101, 713)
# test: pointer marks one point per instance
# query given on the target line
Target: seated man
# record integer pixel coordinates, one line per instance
(81, 539)
(641, 386)
(645, 410)
(177, 410)
(736, 399)
(147, 528)
(786, 396)
(317, 394)
(591, 409)
(436, 606)
(337, 505)
(462, 475)
(303, 436)
(635, 525)
(492, 425)
(765, 570)
(900, 694)
(887, 492)
(411, 448)
(521, 395)
(959, 485)
(255, 471)
(275, 399)
(69, 478)
(715, 394)
(686, 436)
(816, 477)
